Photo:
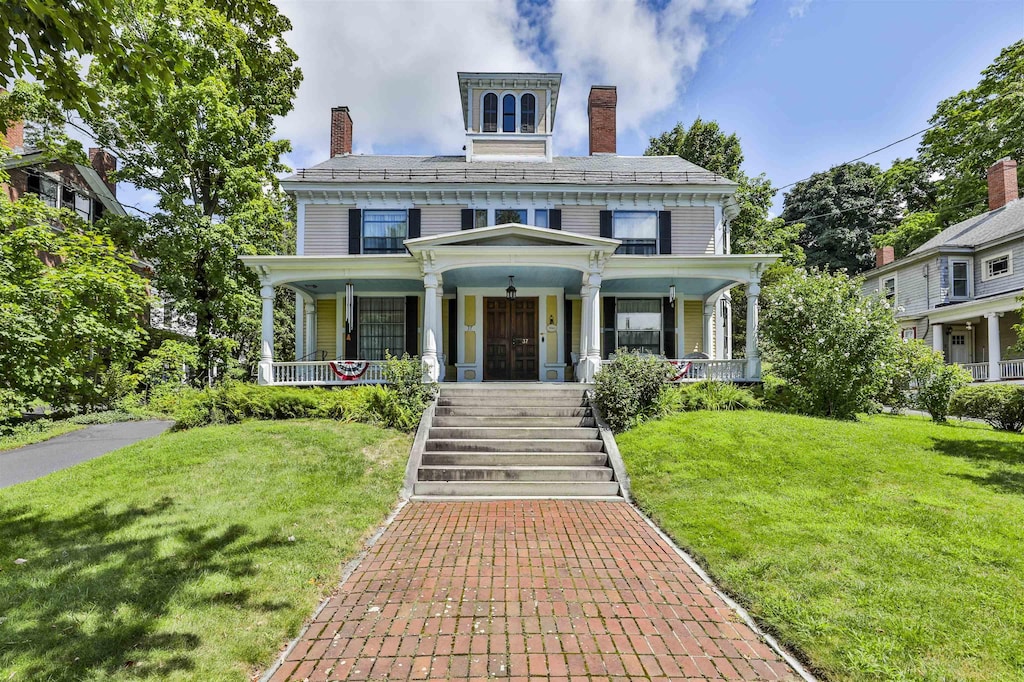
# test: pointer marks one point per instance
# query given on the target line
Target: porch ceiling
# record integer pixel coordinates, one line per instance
(526, 276)
(685, 286)
(315, 287)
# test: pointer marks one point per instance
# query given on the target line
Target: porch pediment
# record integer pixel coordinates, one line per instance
(512, 234)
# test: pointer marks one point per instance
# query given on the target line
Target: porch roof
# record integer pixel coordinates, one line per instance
(1003, 303)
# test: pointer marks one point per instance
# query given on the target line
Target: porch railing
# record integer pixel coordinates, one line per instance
(1011, 369)
(978, 370)
(321, 373)
(701, 369)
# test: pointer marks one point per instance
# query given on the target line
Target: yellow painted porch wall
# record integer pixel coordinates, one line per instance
(693, 326)
(552, 337)
(469, 316)
(326, 317)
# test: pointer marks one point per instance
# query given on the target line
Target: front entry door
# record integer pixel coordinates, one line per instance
(959, 346)
(510, 339)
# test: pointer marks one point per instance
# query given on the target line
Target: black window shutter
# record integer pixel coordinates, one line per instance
(467, 219)
(355, 230)
(606, 224)
(555, 218)
(452, 335)
(665, 232)
(414, 223)
(668, 327)
(351, 340)
(567, 331)
(608, 335)
(412, 307)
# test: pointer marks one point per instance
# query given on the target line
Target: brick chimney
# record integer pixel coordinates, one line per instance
(1002, 183)
(601, 111)
(884, 255)
(341, 131)
(14, 134)
(104, 163)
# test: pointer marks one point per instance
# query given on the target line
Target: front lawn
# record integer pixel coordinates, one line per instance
(890, 548)
(190, 556)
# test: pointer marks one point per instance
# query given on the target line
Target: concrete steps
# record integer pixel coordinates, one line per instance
(514, 440)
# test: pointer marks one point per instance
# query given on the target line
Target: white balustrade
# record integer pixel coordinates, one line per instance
(701, 369)
(1011, 369)
(321, 374)
(978, 370)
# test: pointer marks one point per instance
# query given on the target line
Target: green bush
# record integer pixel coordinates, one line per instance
(167, 364)
(1001, 405)
(709, 395)
(776, 395)
(629, 389)
(936, 382)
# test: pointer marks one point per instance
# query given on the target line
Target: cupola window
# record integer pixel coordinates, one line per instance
(528, 113)
(508, 114)
(490, 113)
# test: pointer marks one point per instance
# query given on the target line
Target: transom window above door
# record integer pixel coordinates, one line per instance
(637, 230)
(385, 231)
(485, 217)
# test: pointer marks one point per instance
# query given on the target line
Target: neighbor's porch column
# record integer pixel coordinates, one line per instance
(937, 338)
(709, 330)
(753, 355)
(592, 364)
(993, 347)
(266, 368)
(584, 332)
(431, 367)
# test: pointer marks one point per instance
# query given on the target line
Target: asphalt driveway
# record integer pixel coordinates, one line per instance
(33, 461)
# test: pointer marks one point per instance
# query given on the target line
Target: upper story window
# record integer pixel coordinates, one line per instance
(537, 217)
(510, 215)
(508, 114)
(46, 188)
(490, 113)
(637, 230)
(997, 266)
(961, 279)
(889, 287)
(384, 231)
(528, 113)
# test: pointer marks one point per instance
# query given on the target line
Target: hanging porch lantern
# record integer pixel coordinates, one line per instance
(510, 292)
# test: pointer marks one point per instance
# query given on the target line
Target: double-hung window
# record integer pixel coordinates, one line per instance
(997, 266)
(46, 188)
(381, 326)
(483, 217)
(961, 279)
(638, 324)
(510, 215)
(385, 231)
(889, 287)
(637, 230)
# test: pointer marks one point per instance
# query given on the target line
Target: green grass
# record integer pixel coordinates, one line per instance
(34, 433)
(171, 559)
(890, 548)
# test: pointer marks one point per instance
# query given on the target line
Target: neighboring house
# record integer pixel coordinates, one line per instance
(959, 290)
(508, 262)
(87, 190)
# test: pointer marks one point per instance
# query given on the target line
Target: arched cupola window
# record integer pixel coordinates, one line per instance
(508, 114)
(528, 113)
(490, 113)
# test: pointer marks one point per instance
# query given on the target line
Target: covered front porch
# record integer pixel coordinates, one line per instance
(507, 303)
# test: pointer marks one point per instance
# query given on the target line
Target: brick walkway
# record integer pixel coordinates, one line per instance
(529, 590)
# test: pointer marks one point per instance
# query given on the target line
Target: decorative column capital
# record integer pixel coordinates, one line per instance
(753, 288)
(431, 280)
(267, 291)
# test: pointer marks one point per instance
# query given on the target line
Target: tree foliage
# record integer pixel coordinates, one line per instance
(913, 231)
(974, 129)
(704, 144)
(203, 143)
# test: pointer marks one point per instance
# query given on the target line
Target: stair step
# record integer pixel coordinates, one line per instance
(517, 488)
(515, 445)
(506, 411)
(501, 420)
(532, 459)
(488, 400)
(487, 433)
(514, 473)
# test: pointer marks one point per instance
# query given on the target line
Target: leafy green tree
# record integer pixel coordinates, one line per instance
(974, 129)
(913, 231)
(909, 184)
(842, 208)
(704, 144)
(203, 143)
(70, 307)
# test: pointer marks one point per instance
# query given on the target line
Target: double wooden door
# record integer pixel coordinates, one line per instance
(511, 351)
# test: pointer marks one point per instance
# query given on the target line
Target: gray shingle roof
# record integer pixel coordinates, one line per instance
(591, 170)
(980, 229)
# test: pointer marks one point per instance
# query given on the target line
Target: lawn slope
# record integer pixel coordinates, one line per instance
(890, 548)
(192, 555)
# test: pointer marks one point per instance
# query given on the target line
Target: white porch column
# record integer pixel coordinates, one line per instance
(300, 321)
(753, 355)
(266, 369)
(311, 329)
(431, 367)
(709, 330)
(584, 333)
(994, 354)
(439, 331)
(592, 363)
(937, 337)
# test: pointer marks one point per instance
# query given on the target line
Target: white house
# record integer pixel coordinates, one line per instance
(507, 262)
(960, 290)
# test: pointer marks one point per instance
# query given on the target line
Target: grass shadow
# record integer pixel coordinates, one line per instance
(89, 600)
(990, 451)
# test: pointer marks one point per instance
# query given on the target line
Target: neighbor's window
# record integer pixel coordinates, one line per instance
(528, 115)
(381, 326)
(961, 284)
(889, 287)
(998, 266)
(490, 113)
(46, 188)
(638, 324)
(637, 230)
(508, 114)
(385, 231)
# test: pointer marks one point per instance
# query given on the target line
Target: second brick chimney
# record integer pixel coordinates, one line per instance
(341, 131)
(14, 134)
(1002, 183)
(884, 255)
(104, 163)
(601, 111)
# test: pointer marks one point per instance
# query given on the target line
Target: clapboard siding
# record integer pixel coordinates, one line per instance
(693, 327)
(326, 318)
(509, 147)
(999, 285)
(582, 220)
(693, 230)
(436, 220)
(326, 230)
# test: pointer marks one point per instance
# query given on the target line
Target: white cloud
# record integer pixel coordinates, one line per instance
(394, 63)
(799, 8)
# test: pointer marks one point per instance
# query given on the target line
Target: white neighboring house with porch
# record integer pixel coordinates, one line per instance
(959, 290)
(508, 263)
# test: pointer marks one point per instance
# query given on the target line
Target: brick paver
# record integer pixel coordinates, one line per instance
(524, 589)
